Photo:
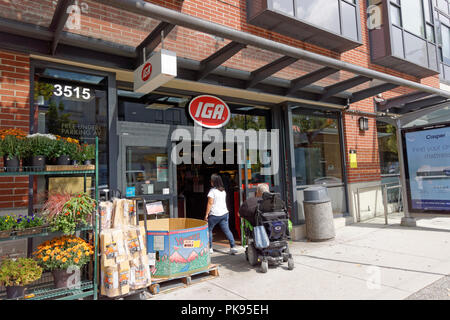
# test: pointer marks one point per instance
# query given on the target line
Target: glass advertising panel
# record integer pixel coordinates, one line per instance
(428, 168)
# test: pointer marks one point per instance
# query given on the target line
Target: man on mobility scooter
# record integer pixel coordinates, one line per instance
(265, 229)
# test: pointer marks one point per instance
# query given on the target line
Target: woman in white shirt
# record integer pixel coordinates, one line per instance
(217, 212)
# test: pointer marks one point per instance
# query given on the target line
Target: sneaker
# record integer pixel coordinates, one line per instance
(233, 251)
(211, 251)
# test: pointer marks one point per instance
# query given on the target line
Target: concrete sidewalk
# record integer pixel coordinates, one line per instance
(365, 261)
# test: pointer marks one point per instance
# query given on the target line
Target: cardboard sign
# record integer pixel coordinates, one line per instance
(155, 207)
(156, 71)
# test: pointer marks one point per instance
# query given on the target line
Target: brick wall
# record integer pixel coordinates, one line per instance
(104, 22)
(14, 113)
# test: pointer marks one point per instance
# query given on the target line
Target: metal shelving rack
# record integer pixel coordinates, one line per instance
(87, 288)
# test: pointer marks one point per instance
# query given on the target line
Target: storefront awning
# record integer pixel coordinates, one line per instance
(107, 38)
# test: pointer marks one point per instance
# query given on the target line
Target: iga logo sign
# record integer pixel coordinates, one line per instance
(146, 72)
(209, 111)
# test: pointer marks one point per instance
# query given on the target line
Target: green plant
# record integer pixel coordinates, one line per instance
(20, 272)
(63, 252)
(39, 146)
(65, 212)
(13, 146)
(29, 222)
(8, 223)
(60, 148)
(75, 152)
(88, 152)
(43, 89)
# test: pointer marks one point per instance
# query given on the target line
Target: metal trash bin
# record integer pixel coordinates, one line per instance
(318, 214)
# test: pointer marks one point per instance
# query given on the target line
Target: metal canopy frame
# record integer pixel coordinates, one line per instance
(218, 58)
(60, 17)
(146, 47)
(58, 43)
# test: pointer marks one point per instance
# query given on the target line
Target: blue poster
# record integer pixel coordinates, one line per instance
(131, 191)
(428, 153)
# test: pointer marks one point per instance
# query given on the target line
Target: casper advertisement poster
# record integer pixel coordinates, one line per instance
(428, 154)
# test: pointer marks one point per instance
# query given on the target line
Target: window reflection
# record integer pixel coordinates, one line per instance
(387, 147)
(286, 6)
(412, 15)
(317, 149)
(74, 105)
(323, 13)
(147, 170)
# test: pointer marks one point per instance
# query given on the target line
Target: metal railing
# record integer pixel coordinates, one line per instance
(384, 188)
(385, 199)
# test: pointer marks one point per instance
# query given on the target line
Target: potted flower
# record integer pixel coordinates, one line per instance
(88, 153)
(61, 152)
(39, 147)
(75, 153)
(27, 225)
(62, 254)
(16, 274)
(64, 148)
(12, 147)
(7, 225)
(66, 212)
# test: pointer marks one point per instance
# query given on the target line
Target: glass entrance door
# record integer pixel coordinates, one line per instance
(147, 173)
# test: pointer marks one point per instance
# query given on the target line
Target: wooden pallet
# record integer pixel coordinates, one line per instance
(165, 285)
(70, 167)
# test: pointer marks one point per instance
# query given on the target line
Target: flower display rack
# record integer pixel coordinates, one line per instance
(43, 173)
(45, 290)
(85, 289)
(14, 235)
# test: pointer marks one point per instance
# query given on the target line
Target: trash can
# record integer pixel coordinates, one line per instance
(318, 214)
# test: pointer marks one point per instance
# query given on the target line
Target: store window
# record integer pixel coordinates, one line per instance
(153, 108)
(252, 119)
(317, 148)
(387, 146)
(147, 170)
(73, 104)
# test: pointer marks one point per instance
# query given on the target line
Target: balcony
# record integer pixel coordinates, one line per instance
(331, 24)
(405, 38)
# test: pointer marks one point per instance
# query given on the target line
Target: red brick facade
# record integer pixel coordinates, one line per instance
(14, 113)
(111, 24)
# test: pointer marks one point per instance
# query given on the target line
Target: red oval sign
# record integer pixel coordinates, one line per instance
(146, 72)
(209, 111)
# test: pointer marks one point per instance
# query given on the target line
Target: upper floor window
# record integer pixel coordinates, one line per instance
(323, 13)
(405, 40)
(443, 17)
(414, 16)
(333, 24)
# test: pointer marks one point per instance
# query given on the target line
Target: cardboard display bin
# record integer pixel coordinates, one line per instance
(181, 246)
